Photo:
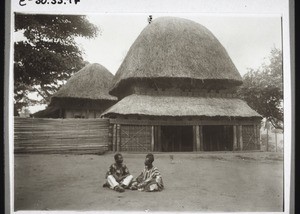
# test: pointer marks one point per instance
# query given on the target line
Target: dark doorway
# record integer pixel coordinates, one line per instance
(177, 138)
(217, 138)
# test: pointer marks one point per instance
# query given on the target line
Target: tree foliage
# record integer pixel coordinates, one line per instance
(262, 89)
(48, 54)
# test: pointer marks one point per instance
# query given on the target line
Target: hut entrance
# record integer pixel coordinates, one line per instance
(177, 138)
(218, 138)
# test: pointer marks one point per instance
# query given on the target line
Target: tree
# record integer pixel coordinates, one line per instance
(48, 55)
(262, 89)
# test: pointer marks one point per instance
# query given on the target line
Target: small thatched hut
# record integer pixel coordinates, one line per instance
(85, 95)
(176, 88)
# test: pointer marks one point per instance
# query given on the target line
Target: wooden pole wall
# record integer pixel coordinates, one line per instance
(61, 135)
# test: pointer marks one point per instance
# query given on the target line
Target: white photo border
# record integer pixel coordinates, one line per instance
(246, 7)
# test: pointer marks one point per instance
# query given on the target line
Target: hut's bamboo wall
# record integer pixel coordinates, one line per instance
(250, 138)
(132, 138)
(232, 137)
(61, 135)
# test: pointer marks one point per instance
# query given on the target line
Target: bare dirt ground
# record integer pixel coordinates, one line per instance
(194, 182)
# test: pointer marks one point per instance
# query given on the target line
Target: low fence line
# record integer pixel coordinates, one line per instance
(80, 136)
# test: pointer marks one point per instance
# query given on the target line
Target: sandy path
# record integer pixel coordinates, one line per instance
(194, 182)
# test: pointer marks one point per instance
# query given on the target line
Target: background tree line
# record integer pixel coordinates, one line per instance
(262, 89)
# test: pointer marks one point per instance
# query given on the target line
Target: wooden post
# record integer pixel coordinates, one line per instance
(275, 131)
(60, 113)
(255, 135)
(197, 139)
(114, 140)
(159, 145)
(267, 139)
(155, 138)
(258, 136)
(201, 138)
(194, 139)
(152, 138)
(241, 136)
(118, 138)
(234, 138)
(173, 142)
(180, 138)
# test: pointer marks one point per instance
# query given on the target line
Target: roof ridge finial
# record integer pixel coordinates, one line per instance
(150, 19)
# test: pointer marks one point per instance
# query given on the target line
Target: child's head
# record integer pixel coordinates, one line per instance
(118, 158)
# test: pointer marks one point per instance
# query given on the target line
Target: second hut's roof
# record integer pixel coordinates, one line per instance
(180, 106)
(172, 47)
(91, 82)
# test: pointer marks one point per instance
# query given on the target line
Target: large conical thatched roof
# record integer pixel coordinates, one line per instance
(90, 83)
(176, 48)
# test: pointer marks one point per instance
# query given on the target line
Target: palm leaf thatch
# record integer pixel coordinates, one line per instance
(90, 83)
(178, 106)
(172, 48)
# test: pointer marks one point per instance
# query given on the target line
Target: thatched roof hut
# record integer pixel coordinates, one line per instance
(86, 90)
(174, 48)
(176, 87)
(91, 82)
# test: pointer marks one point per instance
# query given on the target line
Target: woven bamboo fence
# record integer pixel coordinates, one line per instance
(80, 136)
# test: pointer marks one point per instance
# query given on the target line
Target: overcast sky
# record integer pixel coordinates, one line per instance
(247, 39)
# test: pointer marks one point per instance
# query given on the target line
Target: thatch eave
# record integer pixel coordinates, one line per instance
(180, 106)
(179, 118)
(84, 99)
